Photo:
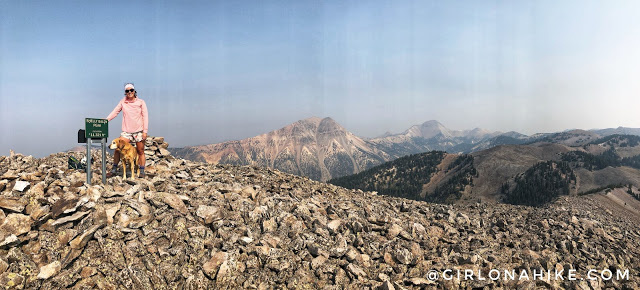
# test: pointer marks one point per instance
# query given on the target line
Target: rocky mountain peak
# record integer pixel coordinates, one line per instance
(313, 147)
(313, 121)
(432, 123)
(428, 130)
(479, 132)
(203, 226)
(328, 125)
(298, 126)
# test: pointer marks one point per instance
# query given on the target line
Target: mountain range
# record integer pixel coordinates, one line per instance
(528, 174)
(321, 149)
(316, 148)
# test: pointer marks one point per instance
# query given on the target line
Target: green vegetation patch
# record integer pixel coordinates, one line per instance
(540, 184)
(403, 177)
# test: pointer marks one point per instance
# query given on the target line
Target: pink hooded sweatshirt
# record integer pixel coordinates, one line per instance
(135, 117)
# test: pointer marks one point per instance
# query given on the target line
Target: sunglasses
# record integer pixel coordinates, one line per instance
(129, 91)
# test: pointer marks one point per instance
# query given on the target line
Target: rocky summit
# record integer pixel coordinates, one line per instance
(200, 226)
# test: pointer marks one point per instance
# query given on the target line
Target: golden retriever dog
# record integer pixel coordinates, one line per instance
(128, 155)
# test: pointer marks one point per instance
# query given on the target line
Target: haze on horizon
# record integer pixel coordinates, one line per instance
(213, 71)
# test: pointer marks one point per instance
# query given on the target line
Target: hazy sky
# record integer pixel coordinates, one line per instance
(214, 71)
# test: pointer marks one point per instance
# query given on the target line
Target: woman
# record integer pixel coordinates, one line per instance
(135, 124)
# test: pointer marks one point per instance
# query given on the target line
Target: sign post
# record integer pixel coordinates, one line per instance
(96, 129)
(104, 158)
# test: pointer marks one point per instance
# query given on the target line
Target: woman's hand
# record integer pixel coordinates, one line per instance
(144, 136)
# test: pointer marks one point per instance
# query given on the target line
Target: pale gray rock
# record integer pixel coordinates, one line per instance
(356, 271)
(9, 241)
(20, 185)
(74, 217)
(164, 152)
(80, 241)
(394, 231)
(209, 213)
(174, 201)
(211, 267)
(404, 256)
(49, 270)
(334, 226)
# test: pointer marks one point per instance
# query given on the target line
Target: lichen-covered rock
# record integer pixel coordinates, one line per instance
(12, 280)
(15, 224)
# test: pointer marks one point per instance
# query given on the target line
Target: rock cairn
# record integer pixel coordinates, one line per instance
(201, 226)
(155, 149)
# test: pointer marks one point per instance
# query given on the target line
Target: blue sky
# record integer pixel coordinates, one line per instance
(212, 71)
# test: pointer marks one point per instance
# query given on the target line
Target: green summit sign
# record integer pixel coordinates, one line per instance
(96, 128)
